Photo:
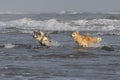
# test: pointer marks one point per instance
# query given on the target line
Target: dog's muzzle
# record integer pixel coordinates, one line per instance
(34, 36)
(73, 35)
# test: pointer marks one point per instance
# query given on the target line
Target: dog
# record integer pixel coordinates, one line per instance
(42, 38)
(85, 41)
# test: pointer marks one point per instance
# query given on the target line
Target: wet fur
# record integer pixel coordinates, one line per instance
(42, 38)
(85, 41)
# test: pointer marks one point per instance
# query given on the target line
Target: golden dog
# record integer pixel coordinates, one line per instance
(85, 41)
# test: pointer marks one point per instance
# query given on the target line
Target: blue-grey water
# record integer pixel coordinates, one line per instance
(22, 58)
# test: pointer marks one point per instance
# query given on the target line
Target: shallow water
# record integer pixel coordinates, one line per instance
(22, 58)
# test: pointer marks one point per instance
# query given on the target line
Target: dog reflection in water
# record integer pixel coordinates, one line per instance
(85, 41)
(42, 38)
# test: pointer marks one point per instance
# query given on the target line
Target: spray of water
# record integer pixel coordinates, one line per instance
(9, 45)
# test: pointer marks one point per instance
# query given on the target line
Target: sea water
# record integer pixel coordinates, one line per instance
(22, 58)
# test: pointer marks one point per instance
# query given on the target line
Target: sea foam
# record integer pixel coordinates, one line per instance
(55, 43)
(27, 24)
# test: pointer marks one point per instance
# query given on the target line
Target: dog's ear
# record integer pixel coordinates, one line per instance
(39, 33)
(76, 32)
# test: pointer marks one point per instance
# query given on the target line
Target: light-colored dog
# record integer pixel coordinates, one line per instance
(42, 38)
(85, 41)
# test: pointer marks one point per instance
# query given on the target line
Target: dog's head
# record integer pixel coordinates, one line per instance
(74, 34)
(38, 35)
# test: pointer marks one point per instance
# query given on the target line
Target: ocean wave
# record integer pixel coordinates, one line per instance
(69, 12)
(28, 24)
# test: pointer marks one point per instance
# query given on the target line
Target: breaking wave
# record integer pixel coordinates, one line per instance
(27, 25)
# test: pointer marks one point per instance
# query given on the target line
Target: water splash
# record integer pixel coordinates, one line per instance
(9, 45)
(55, 43)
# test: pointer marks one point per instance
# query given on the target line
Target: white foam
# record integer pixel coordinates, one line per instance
(55, 43)
(112, 12)
(97, 45)
(100, 44)
(9, 45)
(28, 24)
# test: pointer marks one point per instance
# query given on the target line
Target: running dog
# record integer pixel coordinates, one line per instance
(42, 38)
(85, 41)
